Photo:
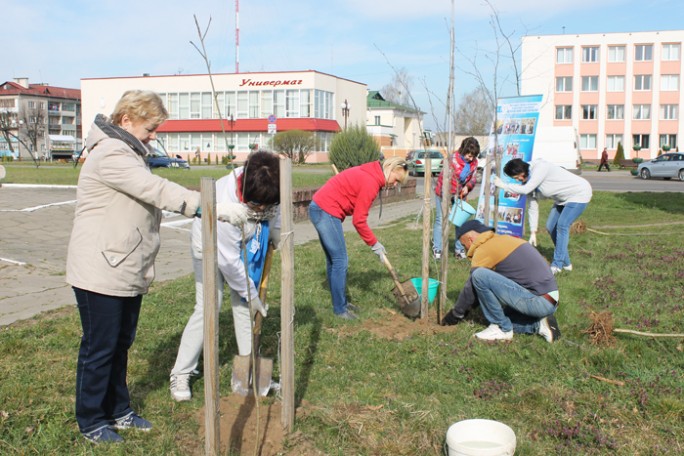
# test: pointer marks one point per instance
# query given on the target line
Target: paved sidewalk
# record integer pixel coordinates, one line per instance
(35, 223)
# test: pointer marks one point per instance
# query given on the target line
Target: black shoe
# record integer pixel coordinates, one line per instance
(450, 319)
(352, 307)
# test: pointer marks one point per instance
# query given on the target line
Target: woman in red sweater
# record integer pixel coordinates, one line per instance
(351, 192)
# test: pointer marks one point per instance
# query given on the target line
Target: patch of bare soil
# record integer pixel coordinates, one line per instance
(393, 325)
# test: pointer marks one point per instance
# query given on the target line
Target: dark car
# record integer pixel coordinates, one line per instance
(158, 159)
(666, 166)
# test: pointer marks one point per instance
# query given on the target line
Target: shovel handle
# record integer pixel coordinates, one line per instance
(395, 278)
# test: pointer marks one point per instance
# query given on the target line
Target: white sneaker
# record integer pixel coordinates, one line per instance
(548, 329)
(493, 332)
(437, 254)
(180, 387)
(555, 270)
(567, 268)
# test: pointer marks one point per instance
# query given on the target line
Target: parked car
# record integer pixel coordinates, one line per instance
(666, 166)
(158, 159)
(417, 162)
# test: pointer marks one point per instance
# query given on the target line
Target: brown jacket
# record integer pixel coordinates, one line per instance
(115, 237)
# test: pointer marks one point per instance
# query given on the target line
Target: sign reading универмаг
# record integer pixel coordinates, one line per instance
(516, 126)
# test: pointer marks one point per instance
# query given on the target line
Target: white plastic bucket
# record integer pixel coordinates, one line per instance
(480, 438)
(460, 212)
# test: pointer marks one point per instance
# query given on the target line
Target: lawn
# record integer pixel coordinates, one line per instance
(385, 385)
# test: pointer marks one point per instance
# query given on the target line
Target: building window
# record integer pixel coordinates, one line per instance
(670, 140)
(266, 103)
(615, 84)
(643, 52)
(642, 140)
(563, 112)
(31, 104)
(231, 105)
(589, 83)
(195, 105)
(671, 51)
(292, 103)
(253, 104)
(669, 111)
(612, 141)
(589, 112)
(305, 103)
(616, 53)
(642, 112)
(590, 54)
(207, 105)
(564, 55)
(183, 106)
(669, 82)
(642, 82)
(242, 104)
(279, 103)
(615, 112)
(377, 120)
(587, 142)
(564, 84)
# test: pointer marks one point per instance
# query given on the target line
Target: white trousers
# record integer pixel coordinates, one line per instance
(193, 334)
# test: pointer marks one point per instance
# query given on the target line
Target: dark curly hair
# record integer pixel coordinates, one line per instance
(469, 146)
(261, 178)
(516, 166)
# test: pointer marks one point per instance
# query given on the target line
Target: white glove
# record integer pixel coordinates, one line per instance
(533, 238)
(274, 237)
(233, 213)
(379, 250)
(497, 181)
(257, 306)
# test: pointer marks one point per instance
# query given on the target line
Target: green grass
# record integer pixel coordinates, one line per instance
(362, 390)
(66, 174)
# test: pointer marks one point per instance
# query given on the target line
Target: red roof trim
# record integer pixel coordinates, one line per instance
(247, 125)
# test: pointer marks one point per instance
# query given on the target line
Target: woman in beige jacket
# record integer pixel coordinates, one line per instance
(110, 261)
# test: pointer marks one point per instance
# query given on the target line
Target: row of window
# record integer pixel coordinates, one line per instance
(588, 141)
(219, 142)
(617, 112)
(642, 82)
(250, 104)
(616, 54)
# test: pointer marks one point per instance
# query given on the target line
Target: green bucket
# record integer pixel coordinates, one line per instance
(433, 286)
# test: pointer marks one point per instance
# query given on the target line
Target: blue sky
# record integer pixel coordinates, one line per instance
(61, 41)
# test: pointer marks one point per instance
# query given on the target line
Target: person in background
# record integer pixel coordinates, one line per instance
(511, 282)
(571, 195)
(463, 179)
(256, 185)
(111, 253)
(350, 192)
(604, 160)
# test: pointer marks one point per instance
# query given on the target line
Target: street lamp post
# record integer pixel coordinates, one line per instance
(345, 111)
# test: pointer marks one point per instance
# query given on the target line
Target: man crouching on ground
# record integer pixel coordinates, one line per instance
(512, 283)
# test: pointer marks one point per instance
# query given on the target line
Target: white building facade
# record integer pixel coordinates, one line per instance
(252, 107)
(612, 87)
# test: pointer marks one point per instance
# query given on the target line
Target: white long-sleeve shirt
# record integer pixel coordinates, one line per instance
(550, 181)
(229, 239)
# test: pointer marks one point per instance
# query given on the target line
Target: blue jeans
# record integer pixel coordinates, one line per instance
(558, 226)
(507, 304)
(109, 324)
(437, 229)
(331, 235)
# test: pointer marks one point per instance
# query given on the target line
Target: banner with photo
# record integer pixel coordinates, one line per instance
(516, 127)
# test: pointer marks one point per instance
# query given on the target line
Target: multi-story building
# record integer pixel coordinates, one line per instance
(39, 120)
(396, 128)
(253, 107)
(612, 87)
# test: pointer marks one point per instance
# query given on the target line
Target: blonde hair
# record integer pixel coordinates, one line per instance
(140, 105)
(393, 163)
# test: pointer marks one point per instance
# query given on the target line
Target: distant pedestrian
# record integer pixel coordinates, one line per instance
(604, 160)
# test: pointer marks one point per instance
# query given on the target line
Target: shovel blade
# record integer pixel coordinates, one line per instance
(241, 380)
(409, 303)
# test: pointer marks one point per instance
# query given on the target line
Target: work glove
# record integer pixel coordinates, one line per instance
(533, 238)
(233, 213)
(497, 181)
(450, 319)
(274, 237)
(379, 250)
(256, 305)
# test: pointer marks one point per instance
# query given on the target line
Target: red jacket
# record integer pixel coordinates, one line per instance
(457, 164)
(352, 192)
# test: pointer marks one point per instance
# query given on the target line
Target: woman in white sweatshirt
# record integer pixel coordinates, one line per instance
(571, 195)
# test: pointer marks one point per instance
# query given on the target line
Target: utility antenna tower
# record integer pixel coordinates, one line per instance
(237, 36)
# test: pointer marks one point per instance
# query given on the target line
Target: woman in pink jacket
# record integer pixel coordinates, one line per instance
(351, 192)
(463, 179)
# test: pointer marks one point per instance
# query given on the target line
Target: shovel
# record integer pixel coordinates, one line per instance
(242, 365)
(405, 292)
